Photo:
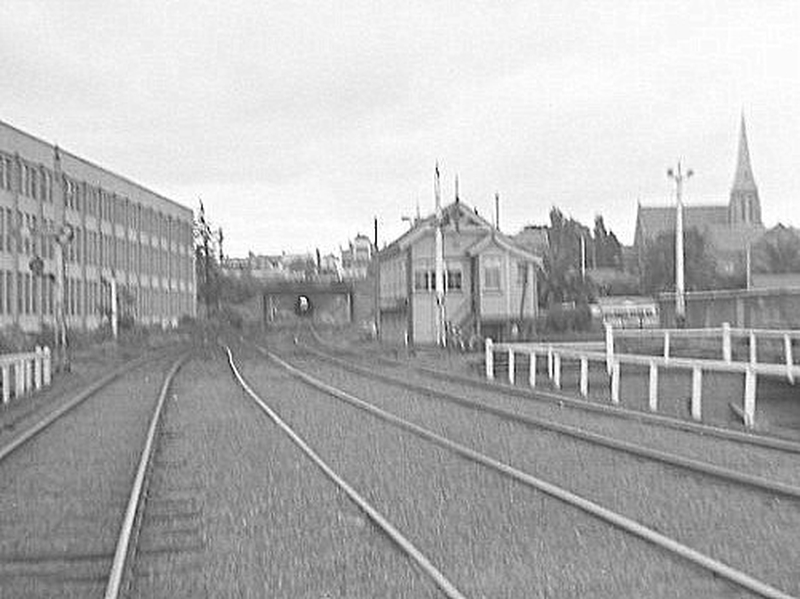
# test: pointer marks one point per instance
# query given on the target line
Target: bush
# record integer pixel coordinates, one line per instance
(230, 317)
(562, 320)
(126, 322)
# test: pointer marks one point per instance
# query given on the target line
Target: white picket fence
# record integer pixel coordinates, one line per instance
(24, 372)
(555, 353)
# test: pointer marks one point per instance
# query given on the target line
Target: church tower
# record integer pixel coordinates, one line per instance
(744, 206)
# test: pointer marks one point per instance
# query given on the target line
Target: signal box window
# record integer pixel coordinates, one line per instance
(491, 274)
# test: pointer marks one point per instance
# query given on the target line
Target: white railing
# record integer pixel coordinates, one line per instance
(554, 353)
(726, 336)
(21, 373)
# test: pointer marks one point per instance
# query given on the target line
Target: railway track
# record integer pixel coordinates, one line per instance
(716, 461)
(65, 481)
(441, 581)
(757, 493)
(753, 454)
(563, 400)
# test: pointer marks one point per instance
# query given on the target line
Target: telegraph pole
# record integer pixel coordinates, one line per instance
(377, 283)
(680, 292)
(439, 262)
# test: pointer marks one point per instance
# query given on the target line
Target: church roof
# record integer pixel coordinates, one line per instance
(654, 220)
(743, 179)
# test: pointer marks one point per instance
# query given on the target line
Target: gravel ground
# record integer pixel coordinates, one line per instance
(491, 536)
(776, 413)
(88, 366)
(741, 527)
(759, 461)
(63, 495)
(236, 510)
(777, 408)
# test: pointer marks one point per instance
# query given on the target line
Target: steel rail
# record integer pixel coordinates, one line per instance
(82, 396)
(539, 394)
(660, 419)
(628, 525)
(447, 587)
(671, 459)
(123, 548)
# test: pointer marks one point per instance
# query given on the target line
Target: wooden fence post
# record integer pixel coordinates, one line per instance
(532, 370)
(615, 382)
(28, 373)
(726, 341)
(6, 373)
(697, 393)
(666, 345)
(489, 359)
(37, 368)
(609, 347)
(749, 398)
(19, 378)
(557, 371)
(787, 350)
(511, 367)
(653, 396)
(753, 348)
(47, 367)
(584, 376)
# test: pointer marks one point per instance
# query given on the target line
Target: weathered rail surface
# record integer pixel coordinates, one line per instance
(735, 574)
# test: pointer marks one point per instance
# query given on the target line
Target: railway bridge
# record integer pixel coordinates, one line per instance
(329, 302)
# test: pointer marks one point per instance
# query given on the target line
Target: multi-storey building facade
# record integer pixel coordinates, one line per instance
(110, 229)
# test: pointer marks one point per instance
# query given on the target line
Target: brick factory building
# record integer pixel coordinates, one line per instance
(109, 228)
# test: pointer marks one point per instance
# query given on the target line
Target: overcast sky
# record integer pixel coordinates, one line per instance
(297, 122)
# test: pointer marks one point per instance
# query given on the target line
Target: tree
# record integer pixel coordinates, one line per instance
(658, 272)
(207, 269)
(778, 251)
(562, 280)
(607, 248)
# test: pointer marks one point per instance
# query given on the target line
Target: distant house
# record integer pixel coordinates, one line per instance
(489, 280)
(728, 228)
(330, 263)
(356, 258)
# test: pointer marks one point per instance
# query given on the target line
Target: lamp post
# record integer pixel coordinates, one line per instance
(680, 292)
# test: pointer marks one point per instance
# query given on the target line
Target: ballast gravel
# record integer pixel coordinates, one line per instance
(492, 536)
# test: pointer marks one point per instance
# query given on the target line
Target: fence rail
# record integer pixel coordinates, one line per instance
(751, 369)
(726, 336)
(24, 372)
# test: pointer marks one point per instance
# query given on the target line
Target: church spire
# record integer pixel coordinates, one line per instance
(743, 180)
(745, 206)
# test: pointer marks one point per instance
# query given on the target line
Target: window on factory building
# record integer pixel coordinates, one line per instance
(34, 183)
(27, 292)
(491, 273)
(20, 295)
(35, 294)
